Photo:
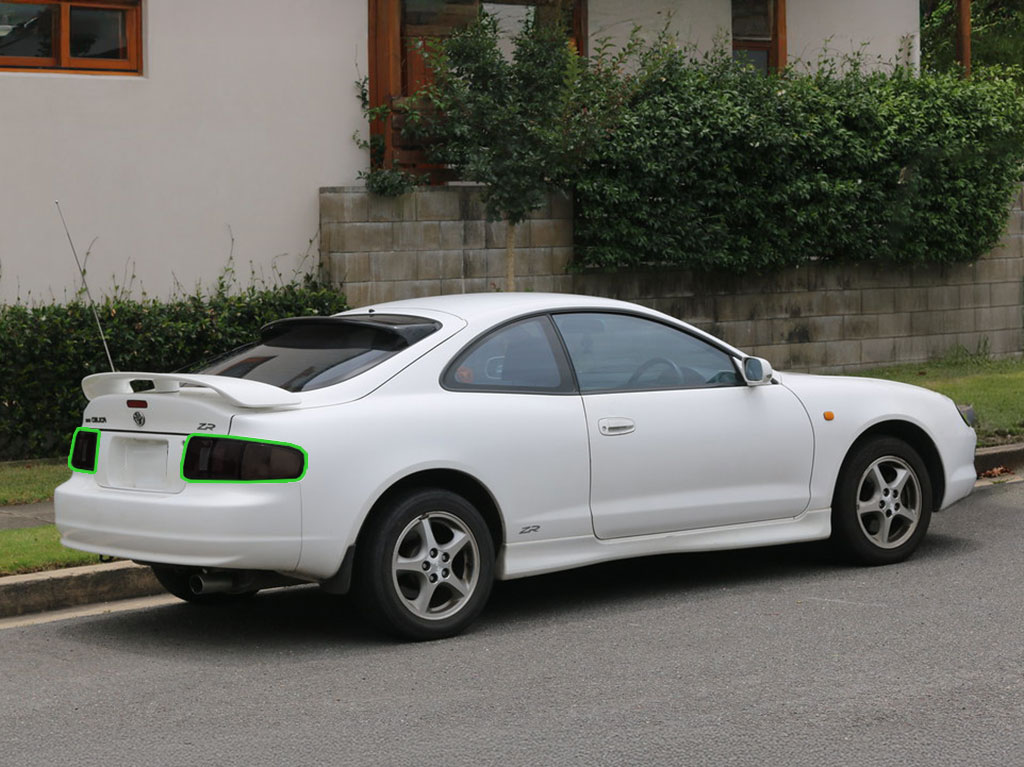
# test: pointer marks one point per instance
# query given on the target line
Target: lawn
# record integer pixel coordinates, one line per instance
(31, 481)
(31, 549)
(994, 387)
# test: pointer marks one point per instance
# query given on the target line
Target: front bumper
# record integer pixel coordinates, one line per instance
(958, 455)
(256, 526)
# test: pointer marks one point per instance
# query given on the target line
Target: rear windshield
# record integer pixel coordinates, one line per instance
(307, 353)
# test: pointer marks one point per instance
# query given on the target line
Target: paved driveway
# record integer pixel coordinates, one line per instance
(770, 657)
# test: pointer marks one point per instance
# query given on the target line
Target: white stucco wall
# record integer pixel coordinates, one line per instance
(878, 27)
(697, 22)
(881, 29)
(245, 109)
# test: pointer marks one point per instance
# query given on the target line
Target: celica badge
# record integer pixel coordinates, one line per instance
(139, 418)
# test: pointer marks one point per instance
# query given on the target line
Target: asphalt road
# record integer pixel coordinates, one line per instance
(768, 657)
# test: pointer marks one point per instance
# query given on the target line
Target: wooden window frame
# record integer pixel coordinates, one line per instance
(776, 46)
(62, 61)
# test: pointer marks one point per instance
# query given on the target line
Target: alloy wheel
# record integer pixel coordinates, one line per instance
(435, 565)
(888, 502)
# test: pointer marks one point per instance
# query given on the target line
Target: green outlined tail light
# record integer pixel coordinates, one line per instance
(85, 445)
(215, 458)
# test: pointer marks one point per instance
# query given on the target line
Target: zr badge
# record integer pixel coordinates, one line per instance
(529, 529)
(207, 427)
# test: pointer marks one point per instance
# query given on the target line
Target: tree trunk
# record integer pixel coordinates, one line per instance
(510, 256)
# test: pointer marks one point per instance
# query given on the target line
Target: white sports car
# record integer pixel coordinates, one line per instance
(417, 450)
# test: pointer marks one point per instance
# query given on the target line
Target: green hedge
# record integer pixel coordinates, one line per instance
(48, 349)
(707, 165)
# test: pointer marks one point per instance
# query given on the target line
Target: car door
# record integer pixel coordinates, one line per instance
(513, 415)
(678, 440)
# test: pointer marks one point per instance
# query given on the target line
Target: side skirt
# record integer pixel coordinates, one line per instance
(518, 560)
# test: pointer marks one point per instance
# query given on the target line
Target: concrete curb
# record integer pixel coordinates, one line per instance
(73, 586)
(1010, 456)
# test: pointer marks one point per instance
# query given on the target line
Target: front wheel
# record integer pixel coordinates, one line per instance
(882, 504)
(426, 567)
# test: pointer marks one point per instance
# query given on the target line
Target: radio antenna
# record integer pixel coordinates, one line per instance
(81, 271)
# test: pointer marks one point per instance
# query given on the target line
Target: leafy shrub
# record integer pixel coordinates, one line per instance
(709, 166)
(48, 349)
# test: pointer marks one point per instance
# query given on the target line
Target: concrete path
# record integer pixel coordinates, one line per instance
(27, 515)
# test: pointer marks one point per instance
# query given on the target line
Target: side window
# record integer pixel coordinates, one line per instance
(519, 357)
(618, 352)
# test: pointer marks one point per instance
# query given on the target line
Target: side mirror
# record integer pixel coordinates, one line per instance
(757, 371)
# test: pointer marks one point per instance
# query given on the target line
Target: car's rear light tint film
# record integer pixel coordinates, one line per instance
(237, 459)
(85, 445)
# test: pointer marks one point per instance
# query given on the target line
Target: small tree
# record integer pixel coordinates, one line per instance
(504, 123)
(997, 33)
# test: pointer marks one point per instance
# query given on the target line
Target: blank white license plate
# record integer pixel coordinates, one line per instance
(139, 463)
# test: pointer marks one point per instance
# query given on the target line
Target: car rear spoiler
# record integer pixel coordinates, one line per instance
(237, 391)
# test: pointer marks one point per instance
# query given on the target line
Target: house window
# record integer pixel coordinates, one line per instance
(84, 36)
(759, 33)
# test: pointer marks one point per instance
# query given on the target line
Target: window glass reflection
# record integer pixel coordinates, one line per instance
(754, 57)
(614, 352)
(98, 33)
(26, 31)
(752, 19)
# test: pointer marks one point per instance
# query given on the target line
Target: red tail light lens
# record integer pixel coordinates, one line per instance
(236, 459)
(85, 445)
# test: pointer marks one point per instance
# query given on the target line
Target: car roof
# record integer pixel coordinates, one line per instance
(475, 308)
(481, 310)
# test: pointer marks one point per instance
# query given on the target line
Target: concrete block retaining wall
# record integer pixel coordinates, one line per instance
(820, 317)
(435, 241)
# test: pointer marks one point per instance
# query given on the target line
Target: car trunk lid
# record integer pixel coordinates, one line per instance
(142, 433)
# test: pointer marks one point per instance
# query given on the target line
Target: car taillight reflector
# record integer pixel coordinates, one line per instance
(237, 459)
(85, 445)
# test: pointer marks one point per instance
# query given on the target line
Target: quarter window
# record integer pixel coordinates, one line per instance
(520, 357)
(618, 352)
(85, 36)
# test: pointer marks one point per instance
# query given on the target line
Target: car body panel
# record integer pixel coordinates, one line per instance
(222, 525)
(861, 404)
(698, 458)
(522, 559)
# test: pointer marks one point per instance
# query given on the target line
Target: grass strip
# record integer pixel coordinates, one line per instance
(31, 549)
(31, 481)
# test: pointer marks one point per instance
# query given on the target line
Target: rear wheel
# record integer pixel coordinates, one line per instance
(176, 581)
(883, 503)
(426, 566)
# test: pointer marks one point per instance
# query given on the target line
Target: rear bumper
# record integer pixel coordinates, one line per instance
(255, 526)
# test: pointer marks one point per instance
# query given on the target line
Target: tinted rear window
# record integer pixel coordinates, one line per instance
(307, 353)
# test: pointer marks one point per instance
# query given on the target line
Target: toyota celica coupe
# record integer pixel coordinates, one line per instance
(412, 452)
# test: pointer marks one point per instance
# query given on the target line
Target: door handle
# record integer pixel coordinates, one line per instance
(612, 427)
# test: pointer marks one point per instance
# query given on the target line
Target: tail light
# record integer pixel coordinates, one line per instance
(236, 459)
(84, 446)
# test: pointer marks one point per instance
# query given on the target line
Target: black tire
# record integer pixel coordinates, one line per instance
(175, 581)
(425, 565)
(882, 504)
